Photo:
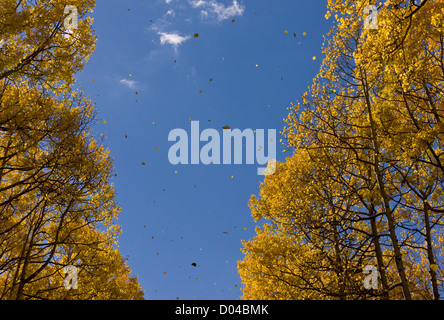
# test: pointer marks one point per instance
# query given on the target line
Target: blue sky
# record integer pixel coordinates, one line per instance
(199, 214)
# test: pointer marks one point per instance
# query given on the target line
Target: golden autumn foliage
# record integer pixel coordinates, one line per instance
(35, 47)
(57, 205)
(364, 185)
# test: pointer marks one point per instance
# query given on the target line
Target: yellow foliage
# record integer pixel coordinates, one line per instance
(57, 205)
(364, 184)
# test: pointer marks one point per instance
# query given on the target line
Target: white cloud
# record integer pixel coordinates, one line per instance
(170, 13)
(198, 3)
(218, 10)
(130, 83)
(172, 38)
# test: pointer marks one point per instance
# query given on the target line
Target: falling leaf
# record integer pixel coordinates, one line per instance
(137, 92)
(225, 232)
(294, 34)
(164, 272)
(314, 57)
(143, 163)
(155, 149)
(304, 33)
(194, 264)
(286, 32)
(104, 121)
(233, 20)
(200, 91)
(226, 127)
(211, 79)
(196, 35)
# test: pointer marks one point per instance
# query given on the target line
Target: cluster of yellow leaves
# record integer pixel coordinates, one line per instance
(34, 49)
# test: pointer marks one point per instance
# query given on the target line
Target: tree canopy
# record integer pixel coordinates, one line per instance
(364, 184)
(57, 204)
